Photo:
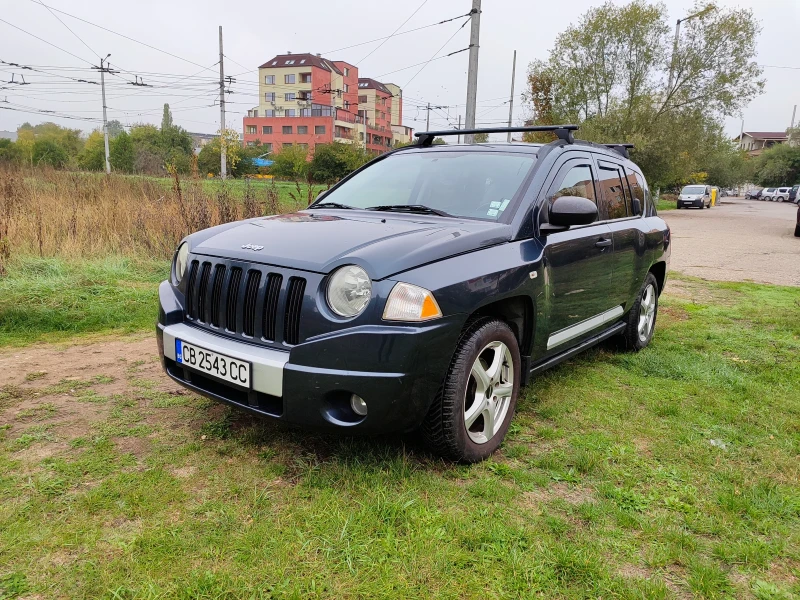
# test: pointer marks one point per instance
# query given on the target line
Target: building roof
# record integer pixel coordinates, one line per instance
(369, 83)
(297, 60)
(766, 135)
(8, 135)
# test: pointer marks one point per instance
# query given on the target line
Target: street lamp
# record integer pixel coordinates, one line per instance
(703, 12)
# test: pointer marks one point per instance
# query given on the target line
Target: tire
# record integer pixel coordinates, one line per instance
(444, 427)
(779, 198)
(797, 231)
(635, 338)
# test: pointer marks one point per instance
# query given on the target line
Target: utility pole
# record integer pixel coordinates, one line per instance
(707, 9)
(103, 69)
(223, 168)
(428, 121)
(741, 136)
(472, 74)
(459, 127)
(511, 101)
(794, 114)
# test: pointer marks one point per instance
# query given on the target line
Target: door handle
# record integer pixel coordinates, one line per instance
(602, 243)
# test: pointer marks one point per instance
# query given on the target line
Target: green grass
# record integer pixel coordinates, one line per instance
(668, 473)
(53, 299)
(662, 205)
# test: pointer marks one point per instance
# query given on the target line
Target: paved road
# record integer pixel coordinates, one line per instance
(738, 240)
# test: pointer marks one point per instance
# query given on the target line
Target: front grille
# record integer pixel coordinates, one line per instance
(246, 301)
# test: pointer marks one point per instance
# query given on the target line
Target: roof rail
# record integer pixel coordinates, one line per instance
(621, 148)
(563, 132)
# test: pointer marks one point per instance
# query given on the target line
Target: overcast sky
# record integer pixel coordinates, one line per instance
(255, 32)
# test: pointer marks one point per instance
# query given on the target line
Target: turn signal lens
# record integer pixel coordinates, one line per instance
(408, 302)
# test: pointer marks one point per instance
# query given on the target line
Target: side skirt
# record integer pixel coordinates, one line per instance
(585, 345)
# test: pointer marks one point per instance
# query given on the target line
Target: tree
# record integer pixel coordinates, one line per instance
(114, 128)
(208, 161)
(8, 151)
(778, 166)
(291, 163)
(49, 152)
(122, 153)
(93, 155)
(610, 72)
(332, 162)
(481, 138)
(166, 119)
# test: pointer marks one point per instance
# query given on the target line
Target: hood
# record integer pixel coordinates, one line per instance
(382, 243)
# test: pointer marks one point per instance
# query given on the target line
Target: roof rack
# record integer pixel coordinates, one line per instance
(563, 132)
(621, 148)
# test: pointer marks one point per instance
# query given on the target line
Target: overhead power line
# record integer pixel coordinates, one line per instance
(424, 2)
(68, 29)
(432, 58)
(45, 41)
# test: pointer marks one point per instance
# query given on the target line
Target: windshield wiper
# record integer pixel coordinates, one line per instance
(330, 205)
(410, 208)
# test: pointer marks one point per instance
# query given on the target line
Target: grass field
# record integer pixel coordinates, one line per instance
(672, 473)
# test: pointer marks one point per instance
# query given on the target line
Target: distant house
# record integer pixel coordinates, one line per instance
(755, 142)
(201, 139)
(8, 135)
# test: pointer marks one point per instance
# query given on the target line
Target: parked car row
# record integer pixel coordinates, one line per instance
(780, 194)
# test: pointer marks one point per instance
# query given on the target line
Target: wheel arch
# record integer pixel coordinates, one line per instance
(659, 271)
(517, 312)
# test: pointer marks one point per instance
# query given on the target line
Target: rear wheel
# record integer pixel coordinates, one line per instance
(797, 231)
(641, 321)
(472, 411)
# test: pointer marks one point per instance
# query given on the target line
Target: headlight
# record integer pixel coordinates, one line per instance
(181, 258)
(408, 302)
(349, 291)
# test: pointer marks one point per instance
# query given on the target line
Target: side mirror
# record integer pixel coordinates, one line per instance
(637, 207)
(567, 211)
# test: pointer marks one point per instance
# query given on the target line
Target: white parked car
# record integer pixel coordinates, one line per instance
(768, 193)
(781, 194)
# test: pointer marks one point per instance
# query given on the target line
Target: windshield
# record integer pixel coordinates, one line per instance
(693, 190)
(478, 185)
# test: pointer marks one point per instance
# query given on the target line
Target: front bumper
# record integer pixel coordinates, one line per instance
(696, 203)
(396, 369)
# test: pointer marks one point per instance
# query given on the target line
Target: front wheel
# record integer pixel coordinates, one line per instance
(641, 320)
(797, 231)
(472, 411)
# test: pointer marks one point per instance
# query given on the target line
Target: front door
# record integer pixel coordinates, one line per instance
(577, 265)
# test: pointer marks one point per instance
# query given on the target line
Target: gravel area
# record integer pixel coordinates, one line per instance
(737, 240)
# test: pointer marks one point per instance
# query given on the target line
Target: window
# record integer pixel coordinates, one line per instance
(268, 147)
(362, 99)
(346, 105)
(346, 72)
(648, 208)
(346, 88)
(269, 112)
(251, 143)
(635, 193)
(269, 79)
(302, 130)
(252, 129)
(289, 62)
(303, 61)
(303, 146)
(269, 97)
(613, 193)
(287, 144)
(289, 96)
(577, 182)
(288, 78)
(480, 185)
(291, 112)
(287, 129)
(305, 77)
(319, 129)
(266, 129)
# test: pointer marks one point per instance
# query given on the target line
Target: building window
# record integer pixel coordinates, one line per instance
(346, 105)
(346, 72)
(303, 146)
(269, 97)
(291, 112)
(362, 99)
(287, 129)
(346, 88)
(305, 95)
(269, 79)
(252, 129)
(268, 147)
(269, 112)
(288, 78)
(360, 136)
(319, 129)
(251, 143)
(289, 96)
(305, 77)
(287, 144)
(289, 62)
(302, 130)
(266, 129)
(252, 113)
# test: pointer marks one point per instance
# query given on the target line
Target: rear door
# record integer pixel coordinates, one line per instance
(577, 264)
(629, 255)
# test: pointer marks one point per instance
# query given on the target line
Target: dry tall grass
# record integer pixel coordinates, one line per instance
(75, 215)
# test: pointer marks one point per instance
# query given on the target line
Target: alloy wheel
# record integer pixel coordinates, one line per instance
(488, 394)
(647, 312)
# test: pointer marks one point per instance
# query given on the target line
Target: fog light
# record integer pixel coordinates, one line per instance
(358, 405)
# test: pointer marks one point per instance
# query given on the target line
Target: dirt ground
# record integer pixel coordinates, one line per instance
(738, 240)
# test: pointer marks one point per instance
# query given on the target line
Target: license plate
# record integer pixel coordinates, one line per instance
(231, 370)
